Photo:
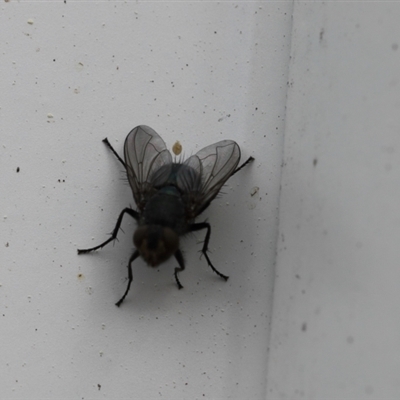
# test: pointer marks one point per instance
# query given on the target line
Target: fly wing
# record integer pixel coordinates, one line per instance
(204, 173)
(148, 162)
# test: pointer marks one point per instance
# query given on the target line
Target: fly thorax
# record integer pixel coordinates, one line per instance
(167, 209)
(155, 243)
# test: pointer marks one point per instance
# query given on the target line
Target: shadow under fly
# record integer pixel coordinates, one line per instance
(170, 195)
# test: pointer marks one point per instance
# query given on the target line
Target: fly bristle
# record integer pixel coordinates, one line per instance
(124, 178)
(179, 159)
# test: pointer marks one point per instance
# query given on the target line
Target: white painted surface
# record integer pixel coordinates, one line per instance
(77, 72)
(336, 321)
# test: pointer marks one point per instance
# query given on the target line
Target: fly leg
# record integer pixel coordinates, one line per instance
(181, 262)
(115, 153)
(198, 227)
(134, 214)
(249, 160)
(134, 256)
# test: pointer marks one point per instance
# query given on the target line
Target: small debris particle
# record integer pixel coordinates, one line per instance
(254, 191)
(177, 148)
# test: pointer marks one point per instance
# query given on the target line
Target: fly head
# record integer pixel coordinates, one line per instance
(155, 243)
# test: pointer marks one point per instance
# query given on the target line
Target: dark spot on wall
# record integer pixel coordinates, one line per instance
(350, 339)
(321, 34)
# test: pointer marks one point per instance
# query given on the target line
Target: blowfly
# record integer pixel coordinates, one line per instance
(169, 195)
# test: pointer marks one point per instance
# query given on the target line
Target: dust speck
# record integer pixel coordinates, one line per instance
(177, 148)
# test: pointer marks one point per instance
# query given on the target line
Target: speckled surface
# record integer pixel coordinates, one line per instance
(74, 73)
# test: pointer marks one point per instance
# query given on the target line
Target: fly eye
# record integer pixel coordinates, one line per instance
(139, 235)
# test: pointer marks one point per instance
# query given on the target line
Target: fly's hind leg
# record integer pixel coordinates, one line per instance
(249, 160)
(107, 143)
(198, 227)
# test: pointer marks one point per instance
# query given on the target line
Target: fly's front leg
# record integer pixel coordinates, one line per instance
(134, 214)
(134, 256)
(181, 262)
(198, 227)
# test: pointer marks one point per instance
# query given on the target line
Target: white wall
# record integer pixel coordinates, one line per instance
(73, 74)
(336, 321)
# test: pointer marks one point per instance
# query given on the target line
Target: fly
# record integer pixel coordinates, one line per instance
(170, 195)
